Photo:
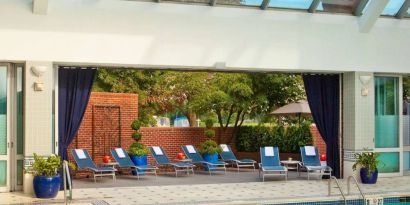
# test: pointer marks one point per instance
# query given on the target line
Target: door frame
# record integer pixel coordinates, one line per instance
(399, 149)
(8, 120)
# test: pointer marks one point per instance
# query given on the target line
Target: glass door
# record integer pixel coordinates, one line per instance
(406, 125)
(387, 124)
(4, 139)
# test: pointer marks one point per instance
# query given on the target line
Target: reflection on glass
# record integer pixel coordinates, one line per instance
(291, 4)
(19, 102)
(406, 161)
(19, 172)
(3, 110)
(3, 173)
(389, 162)
(387, 116)
(241, 2)
(338, 6)
(392, 7)
(406, 111)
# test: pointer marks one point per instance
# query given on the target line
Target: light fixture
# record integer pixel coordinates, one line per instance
(38, 71)
(365, 79)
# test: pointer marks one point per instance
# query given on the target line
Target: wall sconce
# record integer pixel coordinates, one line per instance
(365, 79)
(38, 71)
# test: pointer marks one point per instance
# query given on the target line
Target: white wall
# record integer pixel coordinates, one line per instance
(38, 111)
(142, 33)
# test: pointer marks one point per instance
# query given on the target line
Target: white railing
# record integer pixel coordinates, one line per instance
(66, 177)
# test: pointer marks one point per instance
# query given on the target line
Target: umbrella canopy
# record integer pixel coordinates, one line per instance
(298, 108)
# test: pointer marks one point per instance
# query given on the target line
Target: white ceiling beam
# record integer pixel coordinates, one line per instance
(40, 7)
(370, 16)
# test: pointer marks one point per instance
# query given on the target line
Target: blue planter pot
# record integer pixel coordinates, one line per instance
(139, 161)
(46, 187)
(212, 158)
(366, 179)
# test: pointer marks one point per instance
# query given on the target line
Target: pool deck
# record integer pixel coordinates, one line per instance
(229, 188)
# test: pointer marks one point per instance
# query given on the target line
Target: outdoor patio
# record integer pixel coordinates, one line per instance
(229, 188)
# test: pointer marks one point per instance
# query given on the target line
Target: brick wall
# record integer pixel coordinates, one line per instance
(317, 139)
(106, 109)
(102, 129)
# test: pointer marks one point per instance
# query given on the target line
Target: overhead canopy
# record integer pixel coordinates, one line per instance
(298, 108)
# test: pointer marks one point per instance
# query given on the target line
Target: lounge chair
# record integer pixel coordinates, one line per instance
(311, 162)
(270, 163)
(124, 161)
(84, 161)
(162, 159)
(228, 156)
(191, 153)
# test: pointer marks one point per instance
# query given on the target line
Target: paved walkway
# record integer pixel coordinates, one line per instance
(212, 193)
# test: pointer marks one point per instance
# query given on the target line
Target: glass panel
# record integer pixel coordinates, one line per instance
(406, 111)
(291, 4)
(387, 117)
(19, 101)
(3, 173)
(3, 110)
(241, 2)
(389, 162)
(19, 172)
(338, 6)
(392, 7)
(406, 161)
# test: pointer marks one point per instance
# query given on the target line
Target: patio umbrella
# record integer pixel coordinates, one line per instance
(299, 108)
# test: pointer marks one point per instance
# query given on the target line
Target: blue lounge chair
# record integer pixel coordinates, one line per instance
(270, 163)
(124, 161)
(84, 161)
(193, 154)
(228, 156)
(162, 159)
(311, 162)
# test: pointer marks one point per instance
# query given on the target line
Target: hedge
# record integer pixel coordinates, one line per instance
(288, 139)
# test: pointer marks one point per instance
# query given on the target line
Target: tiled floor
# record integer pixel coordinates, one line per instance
(205, 189)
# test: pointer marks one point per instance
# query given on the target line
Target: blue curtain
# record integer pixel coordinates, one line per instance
(74, 88)
(323, 95)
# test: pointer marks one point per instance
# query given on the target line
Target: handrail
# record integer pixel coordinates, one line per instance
(338, 186)
(357, 185)
(66, 178)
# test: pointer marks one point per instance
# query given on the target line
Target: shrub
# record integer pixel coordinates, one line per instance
(209, 147)
(209, 134)
(137, 136)
(289, 139)
(136, 125)
(138, 149)
(209, 123)
(46, 166)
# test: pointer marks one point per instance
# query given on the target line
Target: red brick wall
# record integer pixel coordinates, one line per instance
(317, 139)
(122, 103)
(126, 105)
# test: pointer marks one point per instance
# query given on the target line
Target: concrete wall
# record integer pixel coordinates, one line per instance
(132, 33)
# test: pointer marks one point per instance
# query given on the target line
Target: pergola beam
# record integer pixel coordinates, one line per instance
(360, 7)
(265, 4)
(212, 2)
(403, 10)
(369, 18)
(313, 6)
(40, 7)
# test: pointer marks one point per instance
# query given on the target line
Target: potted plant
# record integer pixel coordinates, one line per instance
(209, 149)
(368, 162)
(46, 182)
(138, 152)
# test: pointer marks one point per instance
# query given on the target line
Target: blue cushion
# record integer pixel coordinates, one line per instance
(273, 168)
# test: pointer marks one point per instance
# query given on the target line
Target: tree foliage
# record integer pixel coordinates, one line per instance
(229, 97)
